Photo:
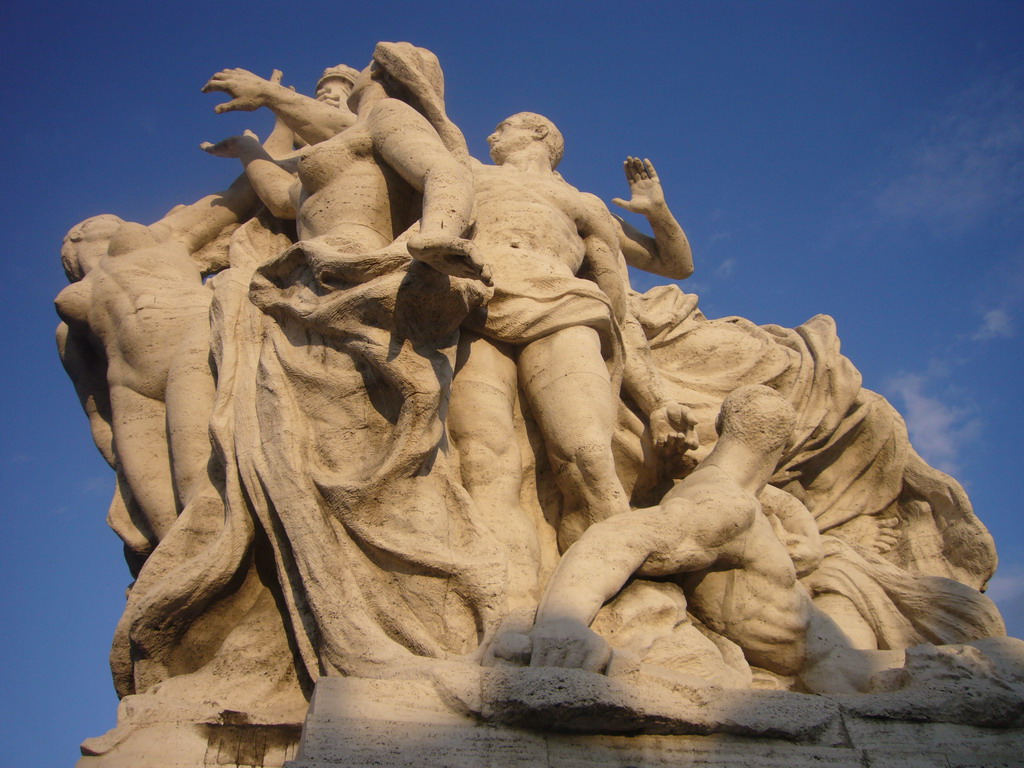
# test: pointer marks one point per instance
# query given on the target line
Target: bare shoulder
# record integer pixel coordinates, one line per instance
(388, 112)
(598, 215)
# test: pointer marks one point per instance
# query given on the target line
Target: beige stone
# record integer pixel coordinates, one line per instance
(389, 424)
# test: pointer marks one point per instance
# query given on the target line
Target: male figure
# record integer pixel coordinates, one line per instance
(312, 120)
(135, 340)
(709, 531)
(546, 331)
(335, 86)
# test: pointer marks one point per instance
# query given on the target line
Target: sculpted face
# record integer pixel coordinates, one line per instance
(87, 243)
(334, 91)
(510, 136)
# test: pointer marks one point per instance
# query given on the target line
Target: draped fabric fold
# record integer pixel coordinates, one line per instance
(334, 371)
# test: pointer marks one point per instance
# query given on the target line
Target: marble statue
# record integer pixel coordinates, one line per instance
(395, 441)
(135, 340)
(738, 572)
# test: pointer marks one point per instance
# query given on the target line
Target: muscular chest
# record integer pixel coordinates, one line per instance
(508, 199)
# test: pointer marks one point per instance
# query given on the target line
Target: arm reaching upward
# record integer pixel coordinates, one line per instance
(271, 181)
(312, 121)
(668, 252)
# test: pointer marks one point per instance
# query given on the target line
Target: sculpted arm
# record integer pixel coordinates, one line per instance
(668, 253)
(197, 224)
(591, 572)
(88, 372)
(267, 178)
(312, 121)
(596, 567)
(672, 424)
(799, 531)
(410, 145)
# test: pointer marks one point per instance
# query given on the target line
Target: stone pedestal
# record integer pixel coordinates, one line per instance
(356, 723)
(193, 745)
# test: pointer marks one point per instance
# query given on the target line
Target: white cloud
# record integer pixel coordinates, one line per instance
(995, 324)
(968, 165)
(725, 269)
(938, 431)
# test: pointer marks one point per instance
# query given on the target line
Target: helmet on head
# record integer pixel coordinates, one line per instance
(340, 72)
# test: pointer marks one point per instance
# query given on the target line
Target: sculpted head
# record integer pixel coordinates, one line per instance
(757, 416)
(86, 243)
(523, 130)
(411, 74)
(405, 72)
(335, 85)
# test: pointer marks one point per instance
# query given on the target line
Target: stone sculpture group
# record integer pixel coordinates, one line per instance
(381, 411)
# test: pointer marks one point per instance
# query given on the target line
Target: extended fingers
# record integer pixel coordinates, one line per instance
(225, 148)
(220, 81)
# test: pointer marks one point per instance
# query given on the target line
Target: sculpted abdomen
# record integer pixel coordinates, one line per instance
(361, 194)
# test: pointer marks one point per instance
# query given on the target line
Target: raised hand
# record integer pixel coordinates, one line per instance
(673, 429)
(449, 255)
(644, 187)
(231, 146)
(248, 91)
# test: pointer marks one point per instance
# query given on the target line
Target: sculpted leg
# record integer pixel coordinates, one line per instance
(140, 441)
(189, 398)
(833, 665)
(566, 381)
(842, 610)
(480, 419)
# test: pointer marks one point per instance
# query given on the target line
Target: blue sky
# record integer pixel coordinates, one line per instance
(864, 160)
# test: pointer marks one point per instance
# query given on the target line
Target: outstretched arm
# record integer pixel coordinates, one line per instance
(591, 572)
(668, 252)
(313, 121)
(270, 179)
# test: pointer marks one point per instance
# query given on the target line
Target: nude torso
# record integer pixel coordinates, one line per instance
(346, 191)
(746, 588)
(137, 305)
(528, 224)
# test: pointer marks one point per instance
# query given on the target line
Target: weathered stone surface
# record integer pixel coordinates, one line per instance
(356, 723)
(389, 423)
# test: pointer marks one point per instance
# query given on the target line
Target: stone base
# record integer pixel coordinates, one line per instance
(194, 745)
(355, 723)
